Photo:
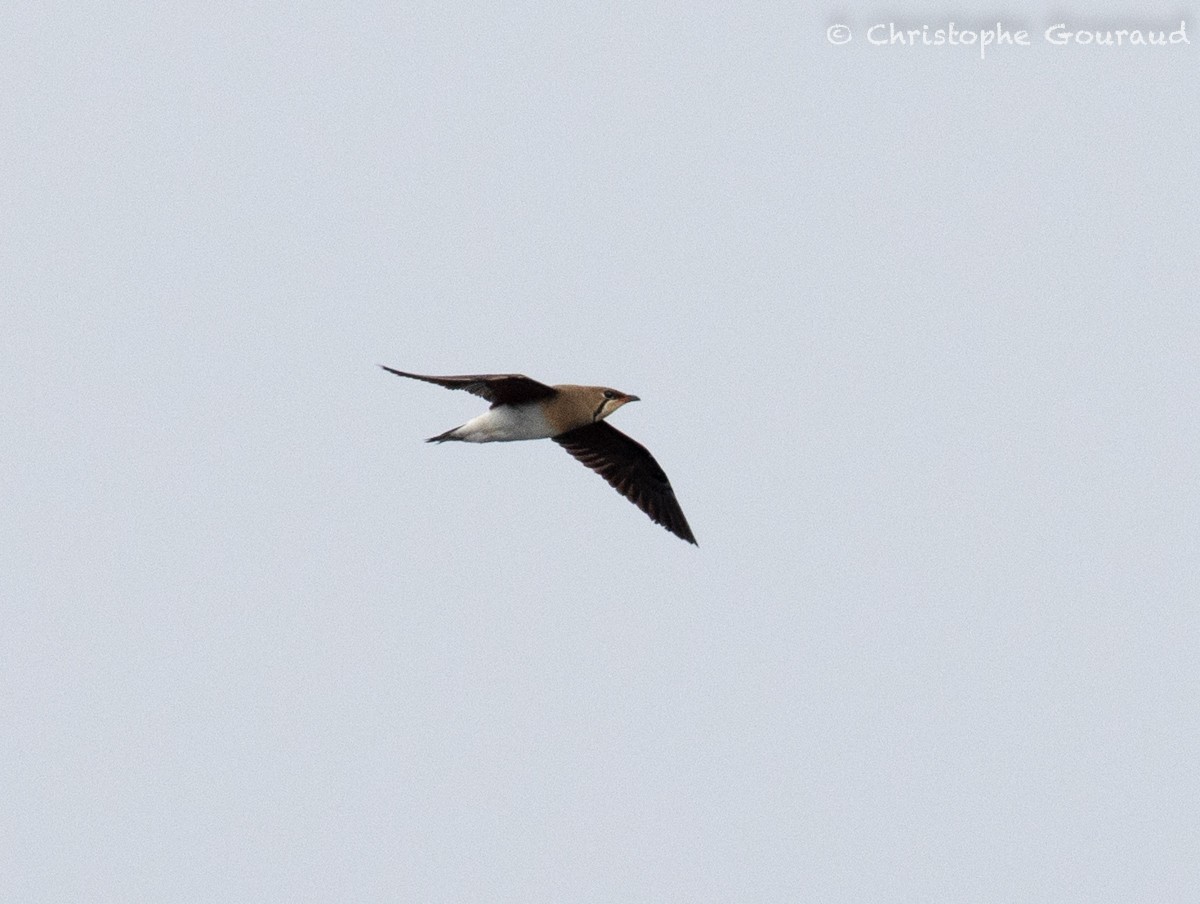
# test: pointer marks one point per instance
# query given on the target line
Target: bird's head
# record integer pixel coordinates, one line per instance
(609, 400)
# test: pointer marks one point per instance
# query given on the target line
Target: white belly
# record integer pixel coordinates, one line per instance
(506, 424)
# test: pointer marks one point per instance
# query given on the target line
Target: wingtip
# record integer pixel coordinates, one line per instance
(682, 531)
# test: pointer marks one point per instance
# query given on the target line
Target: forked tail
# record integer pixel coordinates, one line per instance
(444, 437)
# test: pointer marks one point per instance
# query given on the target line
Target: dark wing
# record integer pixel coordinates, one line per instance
(499, 389)
(631, 470)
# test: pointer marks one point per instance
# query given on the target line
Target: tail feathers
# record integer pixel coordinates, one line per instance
(444, 437)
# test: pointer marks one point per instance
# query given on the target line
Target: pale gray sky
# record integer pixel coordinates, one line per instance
(916, 336)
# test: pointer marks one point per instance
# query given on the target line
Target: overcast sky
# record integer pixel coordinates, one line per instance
(917, 340)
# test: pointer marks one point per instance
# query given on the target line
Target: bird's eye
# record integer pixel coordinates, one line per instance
(609, 394)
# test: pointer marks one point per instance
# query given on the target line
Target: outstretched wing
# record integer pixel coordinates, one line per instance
(499, 389)
(631, 470)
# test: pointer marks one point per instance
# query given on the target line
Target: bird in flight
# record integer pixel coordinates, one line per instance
(572, 416)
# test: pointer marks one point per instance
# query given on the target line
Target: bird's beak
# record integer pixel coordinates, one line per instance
(632, 398)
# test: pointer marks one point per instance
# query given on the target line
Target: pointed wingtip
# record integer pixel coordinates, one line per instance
(682, 531)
